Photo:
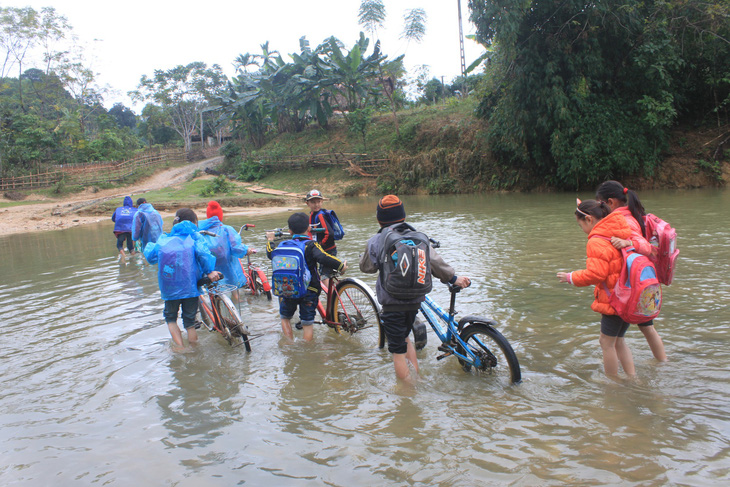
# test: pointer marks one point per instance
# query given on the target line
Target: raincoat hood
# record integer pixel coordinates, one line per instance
(128, 201)
(183, 228)
(209, 223)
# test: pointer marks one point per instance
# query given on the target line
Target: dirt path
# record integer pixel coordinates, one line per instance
(61, 213)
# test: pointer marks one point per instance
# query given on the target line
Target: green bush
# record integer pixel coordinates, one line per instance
(217, 186)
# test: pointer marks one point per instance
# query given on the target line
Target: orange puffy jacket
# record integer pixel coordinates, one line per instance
(603, 262)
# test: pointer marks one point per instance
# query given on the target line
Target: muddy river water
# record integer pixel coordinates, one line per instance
(91, 392)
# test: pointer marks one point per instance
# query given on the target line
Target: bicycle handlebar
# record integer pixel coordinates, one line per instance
(246, 227)
(436, 244)
(206, 232)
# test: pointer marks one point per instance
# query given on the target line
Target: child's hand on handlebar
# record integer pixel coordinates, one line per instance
(215, 276)
(462, 282)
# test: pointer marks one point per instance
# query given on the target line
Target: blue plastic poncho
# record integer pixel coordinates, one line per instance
(146, 225)
(183, 258)
(123, 216)
(227, 248)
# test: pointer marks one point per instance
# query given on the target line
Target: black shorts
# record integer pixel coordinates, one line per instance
(397, 325)
(613, 326)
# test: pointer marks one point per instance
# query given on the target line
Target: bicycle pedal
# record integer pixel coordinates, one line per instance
(445, 348)
(448, 354)
(298, 325)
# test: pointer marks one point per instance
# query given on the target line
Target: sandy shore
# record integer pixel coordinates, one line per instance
(63, 213)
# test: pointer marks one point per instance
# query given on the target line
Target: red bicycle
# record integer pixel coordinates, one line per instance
(258, 283)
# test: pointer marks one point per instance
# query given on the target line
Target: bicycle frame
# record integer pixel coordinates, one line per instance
(249, 269)
(449, 335)
(326, 312)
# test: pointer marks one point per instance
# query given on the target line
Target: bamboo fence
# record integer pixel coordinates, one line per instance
(94, 173)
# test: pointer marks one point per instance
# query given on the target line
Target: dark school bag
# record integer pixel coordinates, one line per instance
(405, 262)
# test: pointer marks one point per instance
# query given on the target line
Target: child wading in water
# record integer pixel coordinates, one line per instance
(603, 266)
(623, 200)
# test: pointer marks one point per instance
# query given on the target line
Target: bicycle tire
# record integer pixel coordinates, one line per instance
(355, 308)
(498, 357)
(259, 286)
(236, 332)
(420, 334)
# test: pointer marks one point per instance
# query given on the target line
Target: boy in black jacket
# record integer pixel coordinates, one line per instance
(398, 315)
(313, 254)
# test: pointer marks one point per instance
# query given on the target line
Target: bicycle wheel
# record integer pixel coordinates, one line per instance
(493, 350)
(259, 286)
(236, 331)
(420, 334)
(354, 307)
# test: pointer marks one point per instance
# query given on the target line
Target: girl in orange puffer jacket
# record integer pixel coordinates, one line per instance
(623, 200)
(603, 266)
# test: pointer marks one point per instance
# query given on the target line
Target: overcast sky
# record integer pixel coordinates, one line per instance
(128, 39)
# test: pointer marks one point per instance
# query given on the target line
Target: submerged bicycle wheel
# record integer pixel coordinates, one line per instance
(497, 358)
(235, 331)
(259, 286)
(354, 307)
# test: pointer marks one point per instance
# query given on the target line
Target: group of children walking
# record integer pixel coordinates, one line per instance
(185, 255)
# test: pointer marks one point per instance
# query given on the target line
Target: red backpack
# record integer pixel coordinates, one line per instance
(663, 239)
(637, 295)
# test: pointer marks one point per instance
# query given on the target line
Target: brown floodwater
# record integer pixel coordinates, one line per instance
(92, 393)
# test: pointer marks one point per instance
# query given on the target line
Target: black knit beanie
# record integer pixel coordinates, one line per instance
(390, 210)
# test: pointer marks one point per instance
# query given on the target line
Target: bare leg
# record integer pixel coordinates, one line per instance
(610, 357)
(401, 367)
(623, 352)
(176, 334)
(286, 328)
(308, 334)
(192, 335)
(411, 355)
(655, 342)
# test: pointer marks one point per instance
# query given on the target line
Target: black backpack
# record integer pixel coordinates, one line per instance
(405, 262)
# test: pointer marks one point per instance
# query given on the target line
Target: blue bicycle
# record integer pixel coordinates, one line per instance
(473, 340)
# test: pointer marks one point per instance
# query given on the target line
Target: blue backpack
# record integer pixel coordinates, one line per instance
(289, 271)
(337, 231)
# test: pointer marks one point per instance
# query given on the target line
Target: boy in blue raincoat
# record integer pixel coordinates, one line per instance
(122, 219)
(183, 259)
(226, 246)
(146, 224)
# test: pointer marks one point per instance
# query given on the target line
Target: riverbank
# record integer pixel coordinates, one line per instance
(44, 213)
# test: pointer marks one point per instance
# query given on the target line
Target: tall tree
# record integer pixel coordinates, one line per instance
(183, 91)
(22, 29)
(581, 91)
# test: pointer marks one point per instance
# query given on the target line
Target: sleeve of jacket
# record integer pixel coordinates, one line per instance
(238, 248)
(641, 244)
(369, 258)
(150, 252)
(597, 265)
(440, 268)
(270, 246)
(324, 258)
(137, 226)
(114, 216)
(326, 238)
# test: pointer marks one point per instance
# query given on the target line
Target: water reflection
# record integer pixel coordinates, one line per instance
(92, 392)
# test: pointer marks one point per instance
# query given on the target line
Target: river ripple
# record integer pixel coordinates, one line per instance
(93, 394)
